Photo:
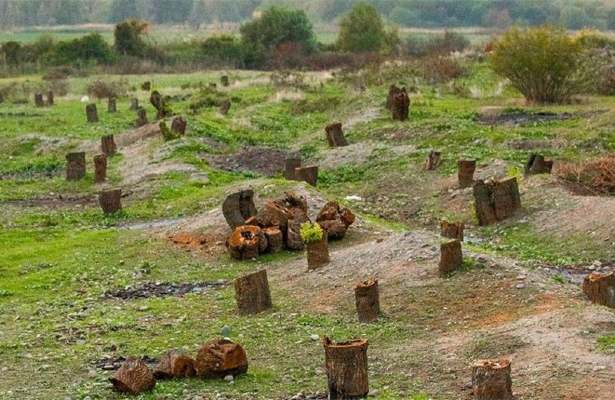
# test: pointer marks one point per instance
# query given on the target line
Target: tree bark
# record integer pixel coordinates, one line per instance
(134, 104)
(335, 135)
(318, 254)
(346, 365)
(133, 377)
(75, 166)
(100, 168)
(600, 288)
(174, 364)
(275, 239)
(307, 174)
(107, 145)
(91, 113)
(367, 300)
(451, 257)
(141, 117)
(491, 380)
(50, 98)
(433, 160)
(252, 293)
(111, 105)
(219, 358)
(538, 165)
(110, 200)
(238, 207)
(452, 230)
(246, 242)
(465, 172)
(400, 105)
(290, 166)
(38, 100)
(178, 126)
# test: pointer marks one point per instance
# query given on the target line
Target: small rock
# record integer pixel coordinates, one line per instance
(314, 337)
(229, 378)
(520, 285)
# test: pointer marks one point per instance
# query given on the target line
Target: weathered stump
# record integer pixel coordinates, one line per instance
(107, 145)
(134, 104)
(110, 200)
(160, 105)
(39, 101)
(174, 364)
(335, 135)
(600, 288)
(111, 105)
(219, 358)
(491, 380)
(133, 377)
(91, 112)
(400, 105)
(307, 174)
(293, 230)
(318, 253)
(50, 98)
(290, 166)
(252, 293)
(238, 207)
(224, 80)
(393, 90)
(451, 257)
(178, 126)
(452, 230)
(346, 365)
(225, 106)
(147, 86)
(275, 239)
(433, 160)
(100, 168)
(367, 300)
(465, 172)
(141, 117)
(496, 200)
(75, 166)
(246, 242)
(483, 203)
(538, 165)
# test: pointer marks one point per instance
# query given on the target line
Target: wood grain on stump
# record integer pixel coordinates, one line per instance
(451, 257)
(219, 358)
(111, 105)
(600, 288)
(538, 165)
(50, 98)
(100, 168)
(238, 207)
(400, 105)
(134, 104)
(141, 117)
(452, 230)
(246, 242)
(491, 380)
(307, 174)
(465, 172)
(433, 160)
(133, 377)
(91, 113)
(275, 239)
(367, 300)
(335, 135)
(39, 101)
(225, 107)
(252, 293)
(75, 166)
(107, 145)
(290, 165)
(174, 364)
(178, 126)
(317, 253)
(346, 366)
(110, 200)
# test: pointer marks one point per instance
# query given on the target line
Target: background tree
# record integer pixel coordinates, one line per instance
(129, 37)
(122, 10)
(362, 30)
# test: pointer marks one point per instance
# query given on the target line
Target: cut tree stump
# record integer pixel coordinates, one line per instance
(225, 106)
(238, 207)
(496, 200)
(600, 288)
(393, 90)
(346, 366)
(224, 80)
(433, 160)
(174, 364)
(318, 253)
(452, 230)
(141, 117)
(160, 105)
(111, 105)
(219, 358)
(107, 145)
(75, 166)
(491, 380)
(307, 174)
(178, 126)
(465, 172)
(147, 86)
(400, 105)
(275, 239)
(293, 230)
(110, 200)
(39, 101)
(50, 98)
(246, 242)
(289, 170)
(451, 257)
(100, 168)
(252, 293)
(335, 135)
(91, 113)
(134, 104)
(367, 300)
(133, 377)
(538, 165)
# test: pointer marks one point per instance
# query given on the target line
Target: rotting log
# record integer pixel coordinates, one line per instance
(238, 207)
(491, 380)
(307, 174)
(178, 126)
(252, 293)
(335, 135)
(141, 117)
(433, 160)
(335, 220)
(39, 101)
(107, 145)
(465, 172)
(219, 358)
(110, 200)
(133, 377)
(91, 113)
(275, 239)
(174, 364)
(537, 164)
(75, 166)
(400, 105)
(367, 300)
(100, 168)
(246, 242)
(452, 230)
(111, 105)
(600, 288)
(451, 257)
(346, 366)
(318, 253)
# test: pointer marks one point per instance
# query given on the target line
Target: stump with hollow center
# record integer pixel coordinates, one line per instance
(50, 98)
(491, 380)
(219, 358)
(538, 165)
(246, 242)
(307, 174)
(238, 207)
(133, 377)
(496, 200)
(134, 104)
(174, 364)
(600, 288)
(291, 164)
(141, 117)
(400, 105)
(110, 200)
(452, 230)
(318, 253)
(111, 105)
(252, 293)
(451, 257)
(91, 113)
(75, 166)
(107, 145)
(39, 101)
(178, 126)
(100, 168)
(346, 366)
(367, 300)
(465, 172)
(225, 106)
(335, 135)
(433, 160)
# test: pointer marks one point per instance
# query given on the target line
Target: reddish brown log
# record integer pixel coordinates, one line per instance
(110, 200)
(133, 377)
(246, 242)
(178, 126)
(273, 214)
(465, 172)
(91, 113)
(307, 174)
(75, 166)
(335, 135)
(219, 358)
(451, 257)
(367, 300)
(400, 105)
(275, 239)
(174, 364)
(483, 203)
(238, 207)
(39, 101)
(107, 145)
(291, 165)
(252, 293)
(600, 288)
(111, 105)
(538, 165)
(134, 104)
(433, 160)
(318, 254)
(100, 168)
(50, 98)
(141, 117)
(335, 220)
(452, 230)
(346, 365)
(491, 380)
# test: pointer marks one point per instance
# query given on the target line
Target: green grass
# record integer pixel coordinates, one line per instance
(606, 343)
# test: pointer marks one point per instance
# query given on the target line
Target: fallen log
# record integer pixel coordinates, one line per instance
(219, 358)
(133, 377)
(174, 364)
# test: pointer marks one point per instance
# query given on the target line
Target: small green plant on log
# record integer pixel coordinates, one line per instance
(311, 232)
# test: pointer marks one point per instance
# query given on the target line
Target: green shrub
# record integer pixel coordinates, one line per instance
(311, 232)
(362, 30)
(87, 49)
(129, 37)
(223, 50)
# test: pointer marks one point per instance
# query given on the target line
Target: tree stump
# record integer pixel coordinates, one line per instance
(335, 135)
(293, 230)
(506, 198)
(174, 364)
(147, 86)
(335, 220)
(275, 239)
(393, 90)
(91, 113)
(110, 200)
(465, 172)
(346, 365)
(107, 145)
(538, 165)
(75, 166)
(452, 230)
(483, 203)
(318, 253)
(367, 300)
(246, 242)
(307, 174)
(252, 293)
(225, 106)
(38, 100)
(433, 160)
(451, 257)
(50, 98)
(289, 170)
(111, 105)
(238, 207)
(160, 105)
(219, 358)
(600, 288)
(491, 380)
(141, 117)
(400, 105)
(133, 377)
(224, 80)
(134, 104)
(100, 168)
(178, 126)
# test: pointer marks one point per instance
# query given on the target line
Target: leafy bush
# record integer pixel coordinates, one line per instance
(436, 45)
(129, 37)
(89, 48)
(542, 63)
(105, 89)
(311, 232)
(362, 30)
(223, 50)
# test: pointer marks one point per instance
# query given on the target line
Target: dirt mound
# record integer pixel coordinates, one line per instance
(162, 289)
(263, 160)
(210, 243)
